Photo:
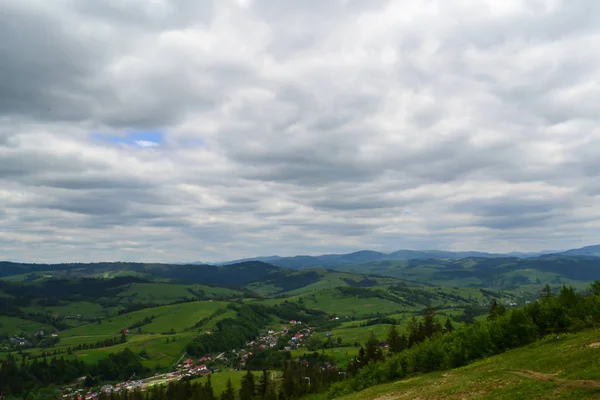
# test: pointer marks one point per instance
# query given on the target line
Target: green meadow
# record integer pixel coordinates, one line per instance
(566, 366)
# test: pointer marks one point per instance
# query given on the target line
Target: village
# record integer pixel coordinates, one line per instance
(235, 359)
(23, 341)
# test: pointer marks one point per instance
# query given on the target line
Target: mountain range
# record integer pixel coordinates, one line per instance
(367, 256)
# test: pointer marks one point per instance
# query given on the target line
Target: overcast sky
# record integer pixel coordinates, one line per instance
(186, 130)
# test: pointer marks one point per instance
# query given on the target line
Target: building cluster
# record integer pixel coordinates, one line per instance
(30, 340)
(207, 364)
(191, 368)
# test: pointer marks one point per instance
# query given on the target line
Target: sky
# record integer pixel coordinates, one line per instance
(188, 130)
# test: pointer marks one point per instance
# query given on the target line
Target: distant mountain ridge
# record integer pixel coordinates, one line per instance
(368, 256)
(588, 251)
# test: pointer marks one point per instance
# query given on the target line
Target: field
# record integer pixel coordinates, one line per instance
(334, 302)
(162, 293)
(563, 367)
(177, 317)
(85, 309)
(219, 379)
(13, 325)
(160, 352)
(352, 332)
(340, 355)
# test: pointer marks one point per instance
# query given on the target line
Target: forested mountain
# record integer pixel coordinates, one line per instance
(367, 256)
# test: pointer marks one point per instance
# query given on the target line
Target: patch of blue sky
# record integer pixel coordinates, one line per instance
(143, 139)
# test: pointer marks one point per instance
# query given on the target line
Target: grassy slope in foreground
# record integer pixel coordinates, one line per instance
(563, 368)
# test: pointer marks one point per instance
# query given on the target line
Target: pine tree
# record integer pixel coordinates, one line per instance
(229, 393)
(264, 383)
(208, 390)
(396, 342)
(372, 351)
(248, 389)
(547, 291)
(448, 327)
(496, 310)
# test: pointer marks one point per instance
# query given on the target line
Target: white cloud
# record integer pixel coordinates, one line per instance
(297, 127)
(146, 144)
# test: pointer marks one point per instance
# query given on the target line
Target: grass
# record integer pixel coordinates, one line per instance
(334, 302)
(84, 308)
(163, 293)
(340, 355)
(13, 325)
(352, 332)
(162, 350)
(219, 379)
(177, 317)
(563, 367)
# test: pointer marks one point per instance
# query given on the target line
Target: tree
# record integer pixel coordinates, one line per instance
(595, 288)
(229, 393)
(264, 383)
(208, 390)
(396, 342)
(248, 388)
(496, 310)
(372, 351)
(547, 291)
(430, 325)
(448, 327)
(90, 381)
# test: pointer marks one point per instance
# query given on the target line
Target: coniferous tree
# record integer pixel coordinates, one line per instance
(547, 291)
(248, 388)
(229, 393)
(396, 342)
(496, 310)
(373, 352)
(448, 327)
(264, 383)
(208, 390)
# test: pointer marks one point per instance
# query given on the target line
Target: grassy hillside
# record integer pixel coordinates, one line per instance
(177, 317)
(498, 273)
(15, 325)
(559, 367)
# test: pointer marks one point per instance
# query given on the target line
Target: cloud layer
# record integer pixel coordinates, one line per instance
(293, 127)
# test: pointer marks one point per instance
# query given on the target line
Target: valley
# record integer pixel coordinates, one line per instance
(251, 314)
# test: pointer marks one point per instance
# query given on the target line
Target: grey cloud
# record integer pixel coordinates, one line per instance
(309, 136)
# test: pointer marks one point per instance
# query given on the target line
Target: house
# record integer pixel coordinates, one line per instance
(125, 330)
(293, 322)
(204, 359)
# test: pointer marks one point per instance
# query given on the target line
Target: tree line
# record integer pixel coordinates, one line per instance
(19, 378)
(566, 311)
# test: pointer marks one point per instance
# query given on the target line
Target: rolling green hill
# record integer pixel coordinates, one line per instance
(498, 273)
(559, 367)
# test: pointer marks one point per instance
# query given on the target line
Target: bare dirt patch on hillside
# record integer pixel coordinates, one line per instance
(542, 377)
